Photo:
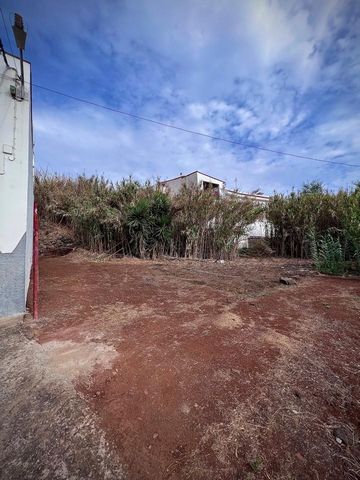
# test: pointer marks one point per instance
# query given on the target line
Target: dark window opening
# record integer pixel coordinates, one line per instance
(214, 187)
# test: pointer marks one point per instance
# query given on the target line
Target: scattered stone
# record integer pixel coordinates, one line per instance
(155, 436)
(287, 281)
(341, 436)
(297, 394)
(299, 456)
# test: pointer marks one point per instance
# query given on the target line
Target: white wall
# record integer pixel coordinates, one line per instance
(174, 185)
(194, 179)
(16, 178)
(15, 127)
(201, 177)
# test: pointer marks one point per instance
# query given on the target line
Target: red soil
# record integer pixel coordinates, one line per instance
(221, 372)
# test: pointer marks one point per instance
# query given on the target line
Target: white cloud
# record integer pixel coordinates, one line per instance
(284, 75)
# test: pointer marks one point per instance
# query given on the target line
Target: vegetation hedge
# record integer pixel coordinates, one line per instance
(316, 223)
(129, 218)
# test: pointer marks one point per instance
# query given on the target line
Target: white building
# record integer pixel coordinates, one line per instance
(16, 185)
(206, 182)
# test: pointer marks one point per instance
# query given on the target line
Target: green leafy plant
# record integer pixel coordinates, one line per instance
(327, 254)
(256, 464)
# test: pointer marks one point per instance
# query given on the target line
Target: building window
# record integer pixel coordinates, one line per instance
(214, 187)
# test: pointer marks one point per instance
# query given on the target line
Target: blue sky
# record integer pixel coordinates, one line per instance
(281, 74)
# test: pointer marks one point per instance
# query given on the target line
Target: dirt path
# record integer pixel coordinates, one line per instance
(47, 430)
(202, 370)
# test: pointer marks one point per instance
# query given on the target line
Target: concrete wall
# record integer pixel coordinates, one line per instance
(257, 229)
(16, 189)
(194, 179)
(201, 177)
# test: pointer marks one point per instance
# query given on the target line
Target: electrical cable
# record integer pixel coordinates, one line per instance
(193, 132)
(175, 127)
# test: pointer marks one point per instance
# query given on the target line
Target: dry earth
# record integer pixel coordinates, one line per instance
(179, 369)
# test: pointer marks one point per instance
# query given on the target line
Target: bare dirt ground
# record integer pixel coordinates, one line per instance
(190, 370)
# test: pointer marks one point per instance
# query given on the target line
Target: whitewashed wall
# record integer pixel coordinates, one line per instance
(16, 189)
(201, 177)
(196, 178)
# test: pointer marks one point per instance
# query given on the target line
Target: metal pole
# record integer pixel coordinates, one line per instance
(22, 66)
(35, 265)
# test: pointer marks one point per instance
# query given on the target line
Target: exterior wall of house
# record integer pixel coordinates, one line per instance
(174, 185)
(257, 229)
(201, 177)
(16, 188)
(193, 179)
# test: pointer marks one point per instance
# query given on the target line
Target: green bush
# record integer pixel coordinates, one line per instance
(328, 255)
(148, 224)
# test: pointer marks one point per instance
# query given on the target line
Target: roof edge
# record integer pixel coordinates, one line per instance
(192, 173)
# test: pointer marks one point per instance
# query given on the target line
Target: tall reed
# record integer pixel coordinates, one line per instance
(298, 218)
(128, 218)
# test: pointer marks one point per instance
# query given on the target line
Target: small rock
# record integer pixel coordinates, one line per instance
(155, 436)
(341, 436)
(287, 281)
(297, 394)
(299, 456)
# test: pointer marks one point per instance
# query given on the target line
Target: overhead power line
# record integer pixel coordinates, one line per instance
(193, 132)
(176, 127)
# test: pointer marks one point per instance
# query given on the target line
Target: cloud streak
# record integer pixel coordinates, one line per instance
(284, 75)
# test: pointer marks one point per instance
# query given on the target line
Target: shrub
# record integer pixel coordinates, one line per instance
(207, 226)
(258, 248)
(328, 255)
